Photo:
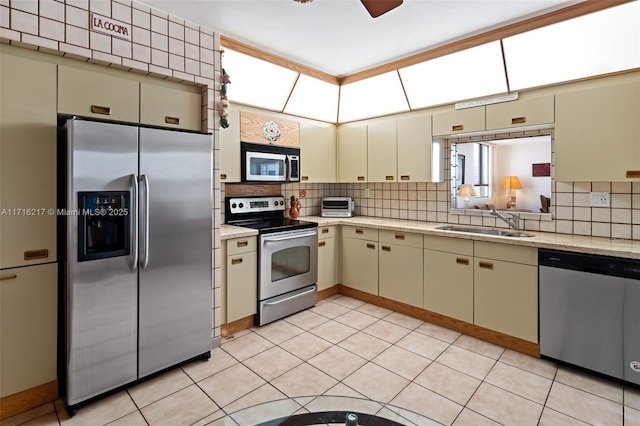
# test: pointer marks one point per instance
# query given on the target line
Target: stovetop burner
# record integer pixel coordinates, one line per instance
(265, 214)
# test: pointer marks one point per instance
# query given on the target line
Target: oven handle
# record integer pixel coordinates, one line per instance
(289, 237)
(293, 296)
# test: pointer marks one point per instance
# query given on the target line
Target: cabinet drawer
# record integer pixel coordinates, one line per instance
(167, 107)
(525, 112)
(360, 232)
(506, 252)
(401, 238)
(460, 121)
(94, 94)
(326, 232)
(241, 245)
(449, 244)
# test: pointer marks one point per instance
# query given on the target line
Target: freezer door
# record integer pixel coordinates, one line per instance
(175, 247)
(101, 295)
(632, 331)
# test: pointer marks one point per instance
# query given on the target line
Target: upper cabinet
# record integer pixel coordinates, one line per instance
(352, 153)
(524, 112)
(230, 148)
(381, 151)
(597, 134)
(168, 107)
(414, 147)
(459, 121)
(260, 128)
(317, 153)
(95, 94)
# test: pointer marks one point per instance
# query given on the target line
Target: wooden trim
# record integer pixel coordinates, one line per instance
(276, 60)
(251, 129)
(28, 399)
(228, 329)
(328, 292)
(241, 189)
(519, 345)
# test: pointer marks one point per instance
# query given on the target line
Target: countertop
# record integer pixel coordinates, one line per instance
(577, 243)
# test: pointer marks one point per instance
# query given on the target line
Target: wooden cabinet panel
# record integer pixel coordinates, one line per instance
(241, 245)
(414, 149)
(525, 112)
(400, 237)
(28, 325)
(448, 284)
(326, 232)
(596, 134)
(326, 263)
(352, 153)
(252, 129)
(459, 121)
(400, 273)
(27, 161)
(449, 244)
(230, 149)
(359, 258)
(318, 153)
(94, 94)
(381, 152)
(167, 107)
(241, 281)
(360, 232)
(506, 252)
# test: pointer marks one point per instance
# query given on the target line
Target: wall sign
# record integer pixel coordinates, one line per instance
(105, 25)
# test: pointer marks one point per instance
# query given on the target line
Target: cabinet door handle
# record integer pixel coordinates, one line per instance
(325, 230)
(385, 248)
(389, 177)
(405, 177)
(223, 176)
(457, 127)
(371, 246)
(399, 236)
(304, 178)
(97, 109)
(462, 261)
(236, 261)
(8, 277)
(36, 254)
(361, 178)
(518, 120)
(321, 243)
(359, 231)
(171, 120)
(242, 243)
(485, 265)
(632, 174)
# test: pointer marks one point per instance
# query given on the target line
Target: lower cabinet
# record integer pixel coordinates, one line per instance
(360, 258)
(327, 265)
(506, 289)
(448, 277)
(28, 326)
(400, 267)
(240, 279)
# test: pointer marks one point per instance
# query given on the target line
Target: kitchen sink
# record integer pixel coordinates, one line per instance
(485, 231)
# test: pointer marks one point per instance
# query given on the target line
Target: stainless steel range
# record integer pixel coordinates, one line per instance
(287, 255)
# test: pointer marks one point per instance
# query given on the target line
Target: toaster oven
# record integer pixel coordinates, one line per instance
(337, 207)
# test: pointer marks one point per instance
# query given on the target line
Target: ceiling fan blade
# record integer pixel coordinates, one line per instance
(379, 7)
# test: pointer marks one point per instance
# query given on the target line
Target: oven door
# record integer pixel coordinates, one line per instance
(288, 262)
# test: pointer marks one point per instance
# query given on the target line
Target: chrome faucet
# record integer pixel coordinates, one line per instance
(513, 221)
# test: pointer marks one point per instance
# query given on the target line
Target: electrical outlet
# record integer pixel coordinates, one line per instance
(367, 193)
(599, 199)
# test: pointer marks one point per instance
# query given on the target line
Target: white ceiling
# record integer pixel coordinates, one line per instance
(340, 38)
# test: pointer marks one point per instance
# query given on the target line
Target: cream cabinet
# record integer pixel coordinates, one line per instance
(230, 149)
(414, 146)
(327, 257)
(506, 289)
(360, 258)
(240, 278)
(523, 112)
(459, 121)
(97, 94)
(596, 134)
(169, 107)
(448, 277)
(28, 326)
(381, 152)
(27, 162)
(400, 267)
(317, 153)
(352, 153)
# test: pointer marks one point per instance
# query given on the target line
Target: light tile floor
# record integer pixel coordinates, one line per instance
(345, 354)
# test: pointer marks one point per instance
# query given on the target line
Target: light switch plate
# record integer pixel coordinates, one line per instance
(599, 199)
(367, 193)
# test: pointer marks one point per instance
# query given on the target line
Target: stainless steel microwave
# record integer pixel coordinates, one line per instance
(269, 163)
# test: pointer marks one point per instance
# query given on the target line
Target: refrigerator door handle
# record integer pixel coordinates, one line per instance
(145, 259)
(134, 224)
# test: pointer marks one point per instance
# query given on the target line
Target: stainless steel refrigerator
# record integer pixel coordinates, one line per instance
(136, 213)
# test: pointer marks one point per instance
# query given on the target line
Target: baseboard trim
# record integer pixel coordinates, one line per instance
(228, 329)
(27, 399)
(328, 292)
(491, 336)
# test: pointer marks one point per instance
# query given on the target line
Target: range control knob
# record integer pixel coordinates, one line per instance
(241, 205)
(233, 206)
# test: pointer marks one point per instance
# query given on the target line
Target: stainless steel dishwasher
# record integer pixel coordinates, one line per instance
(590, 312)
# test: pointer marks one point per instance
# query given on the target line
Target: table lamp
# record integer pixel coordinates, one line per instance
(466, 190)
(511, 183)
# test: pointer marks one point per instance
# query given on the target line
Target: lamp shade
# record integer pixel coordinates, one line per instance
(466, 190)
(510, 182)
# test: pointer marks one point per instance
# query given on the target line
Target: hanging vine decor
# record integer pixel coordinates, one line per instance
(224, 101)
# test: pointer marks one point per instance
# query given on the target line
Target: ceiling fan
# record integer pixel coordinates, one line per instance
(374, 7)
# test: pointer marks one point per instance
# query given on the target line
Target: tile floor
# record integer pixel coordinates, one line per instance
(345, 354)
